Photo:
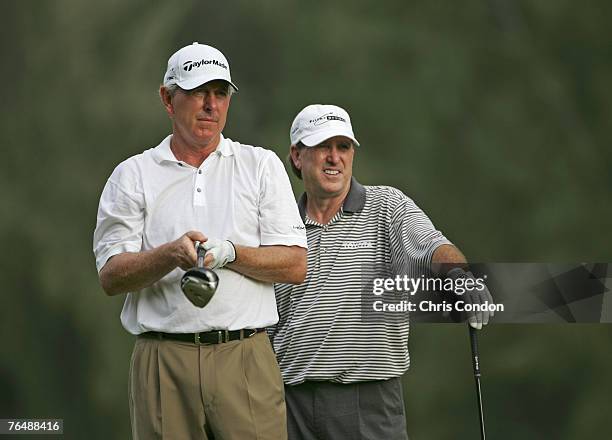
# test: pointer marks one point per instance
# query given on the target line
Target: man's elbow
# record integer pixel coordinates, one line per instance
(299, 267)
(299, 274)
(108, 283)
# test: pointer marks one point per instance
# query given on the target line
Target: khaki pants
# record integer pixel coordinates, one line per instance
(183, 391)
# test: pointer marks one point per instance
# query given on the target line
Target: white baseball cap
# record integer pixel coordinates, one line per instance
(317, 123)
(196, 64)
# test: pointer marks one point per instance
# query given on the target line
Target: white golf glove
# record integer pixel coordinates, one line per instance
(222, 251)
(473, 296)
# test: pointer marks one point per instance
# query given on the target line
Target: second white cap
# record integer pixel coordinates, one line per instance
(318, 122)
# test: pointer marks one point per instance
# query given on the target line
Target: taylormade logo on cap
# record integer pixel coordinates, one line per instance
(197, 64)
(188, 65)
(317, 123)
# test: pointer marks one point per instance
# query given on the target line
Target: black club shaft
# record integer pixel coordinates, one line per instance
(476, 367)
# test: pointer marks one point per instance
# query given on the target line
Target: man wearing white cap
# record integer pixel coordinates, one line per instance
(342, 365)
(209, 372)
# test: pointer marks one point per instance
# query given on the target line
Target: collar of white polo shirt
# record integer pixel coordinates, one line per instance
(163, 153)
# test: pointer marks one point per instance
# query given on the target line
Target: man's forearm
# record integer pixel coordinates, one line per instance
(132, 271)
(272, 264)
(445, 258)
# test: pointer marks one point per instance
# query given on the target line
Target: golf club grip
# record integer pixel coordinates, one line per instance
(201, 255)
(475, 355)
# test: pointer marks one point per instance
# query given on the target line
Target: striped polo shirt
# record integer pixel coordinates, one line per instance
(323, 332)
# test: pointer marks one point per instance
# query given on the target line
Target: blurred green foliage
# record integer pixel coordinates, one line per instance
(493, 115)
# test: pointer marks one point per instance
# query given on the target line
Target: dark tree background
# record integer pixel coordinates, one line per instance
(493, 115)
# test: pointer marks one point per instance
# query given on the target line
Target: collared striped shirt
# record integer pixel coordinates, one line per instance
(324, 332)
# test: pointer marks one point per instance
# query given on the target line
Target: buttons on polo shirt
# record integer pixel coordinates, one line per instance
(199, 184)
(199, 198)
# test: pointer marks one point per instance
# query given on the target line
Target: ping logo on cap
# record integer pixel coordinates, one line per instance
(188, 65)
(318, 122)
(326, 118)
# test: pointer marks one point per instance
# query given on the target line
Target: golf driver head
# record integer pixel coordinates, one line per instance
(199, 285)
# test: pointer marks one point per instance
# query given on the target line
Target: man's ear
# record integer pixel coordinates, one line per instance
(166, 99)
(295, 155)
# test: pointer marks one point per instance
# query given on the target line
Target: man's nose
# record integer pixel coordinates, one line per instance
(333, 155)
(210, 102)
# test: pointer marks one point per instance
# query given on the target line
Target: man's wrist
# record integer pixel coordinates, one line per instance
(456, 273)
(169, 253)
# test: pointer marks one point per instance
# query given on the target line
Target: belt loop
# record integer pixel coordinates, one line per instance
(241, 334)
(227, 336)
(196, 338)
(219, 336)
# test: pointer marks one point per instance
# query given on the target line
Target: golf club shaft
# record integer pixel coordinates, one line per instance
(476, 366)
(201, 254)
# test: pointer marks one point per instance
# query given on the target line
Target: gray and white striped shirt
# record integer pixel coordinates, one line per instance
(323, 332)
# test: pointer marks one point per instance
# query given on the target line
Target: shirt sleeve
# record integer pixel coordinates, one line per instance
(120, 219)
(413, 238)
(279, 218)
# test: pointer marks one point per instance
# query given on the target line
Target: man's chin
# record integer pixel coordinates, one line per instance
(206, 137)
(334, 188)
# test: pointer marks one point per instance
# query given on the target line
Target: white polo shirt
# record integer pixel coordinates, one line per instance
(239, 193)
